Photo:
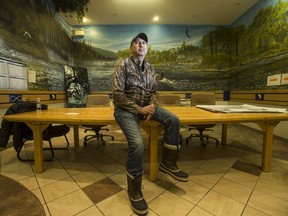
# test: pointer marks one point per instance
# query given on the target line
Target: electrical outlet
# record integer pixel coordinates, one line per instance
(259, 96)
(52, 96)
(187, 95)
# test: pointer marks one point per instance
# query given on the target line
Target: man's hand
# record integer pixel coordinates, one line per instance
(147, 111)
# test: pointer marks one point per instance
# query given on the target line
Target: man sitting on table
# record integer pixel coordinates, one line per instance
(134, 96)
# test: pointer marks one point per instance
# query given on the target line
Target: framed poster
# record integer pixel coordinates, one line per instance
(76, 85)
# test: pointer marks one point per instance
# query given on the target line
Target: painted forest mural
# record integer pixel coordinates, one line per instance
(186, 58)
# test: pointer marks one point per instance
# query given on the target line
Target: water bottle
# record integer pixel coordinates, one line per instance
(38, 105)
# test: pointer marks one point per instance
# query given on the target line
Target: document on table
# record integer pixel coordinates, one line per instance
(244, 108)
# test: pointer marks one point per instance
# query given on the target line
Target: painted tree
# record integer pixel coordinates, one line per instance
(72, 6)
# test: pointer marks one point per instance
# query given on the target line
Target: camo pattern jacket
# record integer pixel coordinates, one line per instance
(134, 86)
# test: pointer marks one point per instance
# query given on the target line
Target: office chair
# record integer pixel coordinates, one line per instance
(202, 99)
(170, 100)
(97, 100)
(49, 133)
(22, 133)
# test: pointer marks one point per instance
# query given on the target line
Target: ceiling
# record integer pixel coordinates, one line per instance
(187, 12)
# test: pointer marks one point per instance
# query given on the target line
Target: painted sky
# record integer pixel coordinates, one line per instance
(161, 37)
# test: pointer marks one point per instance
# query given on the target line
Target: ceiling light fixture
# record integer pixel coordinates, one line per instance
(84, 19)
(156, 19)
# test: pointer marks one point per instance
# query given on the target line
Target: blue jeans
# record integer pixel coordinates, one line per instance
(129, 123)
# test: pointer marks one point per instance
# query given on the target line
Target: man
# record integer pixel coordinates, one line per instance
(134, 96)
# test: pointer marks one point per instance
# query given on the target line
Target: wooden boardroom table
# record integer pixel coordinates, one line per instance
(104, 116)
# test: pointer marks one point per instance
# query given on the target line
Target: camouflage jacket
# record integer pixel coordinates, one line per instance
(134, 86)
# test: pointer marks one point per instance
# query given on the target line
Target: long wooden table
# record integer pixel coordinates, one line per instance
(104, 116)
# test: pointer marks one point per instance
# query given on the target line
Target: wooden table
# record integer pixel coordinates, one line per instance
(104, 116)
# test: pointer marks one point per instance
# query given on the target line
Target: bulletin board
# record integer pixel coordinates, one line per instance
(13, 75)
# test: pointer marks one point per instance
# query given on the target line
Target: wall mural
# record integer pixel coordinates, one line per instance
(185, 57)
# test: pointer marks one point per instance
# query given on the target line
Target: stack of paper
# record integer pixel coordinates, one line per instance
(241, 108)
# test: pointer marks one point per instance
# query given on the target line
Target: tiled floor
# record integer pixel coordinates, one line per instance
(224, 180)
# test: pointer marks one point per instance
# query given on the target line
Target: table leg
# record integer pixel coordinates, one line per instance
(76, 135)
(153, 139)
(267, 128)
(224, 134)
(37, 129)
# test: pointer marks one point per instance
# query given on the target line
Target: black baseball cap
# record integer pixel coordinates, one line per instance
(141, 35)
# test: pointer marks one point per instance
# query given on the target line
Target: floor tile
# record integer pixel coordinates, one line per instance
(58, 189)
(204, 178)
(189, 191)
(101, 190)
(246, 167)
(92, 211)
(215, 168)
(88, 177)
(151, 190)
(30, 182)
(242, 178)
(70, 204)
(196, 211)
(120, 179)
(233, 190)
(118, 204)
(20, 174)
(248, 211)
(218, 204)
(268, 204)
(276, 176)
(52, 175)
(273, 188)
(170, 204)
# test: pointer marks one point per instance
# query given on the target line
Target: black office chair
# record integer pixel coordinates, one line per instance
(97, 100)
(22, 133)
(202, 99)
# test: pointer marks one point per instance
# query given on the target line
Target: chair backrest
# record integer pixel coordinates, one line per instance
(169, 100)
(19, 130)
(97, 100)
(203, 99)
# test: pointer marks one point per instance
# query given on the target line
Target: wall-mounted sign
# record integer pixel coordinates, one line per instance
(14, 98)
(274, 80)
(284, 79)
(31, 76)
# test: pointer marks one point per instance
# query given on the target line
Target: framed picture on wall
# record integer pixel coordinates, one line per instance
(76, 85)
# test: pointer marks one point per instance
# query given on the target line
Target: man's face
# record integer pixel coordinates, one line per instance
(139, 47)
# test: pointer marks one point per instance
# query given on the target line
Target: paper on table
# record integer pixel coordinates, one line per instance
(241, 108)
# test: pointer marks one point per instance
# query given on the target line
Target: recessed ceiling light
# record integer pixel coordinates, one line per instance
(84, 19)
(156, 19)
